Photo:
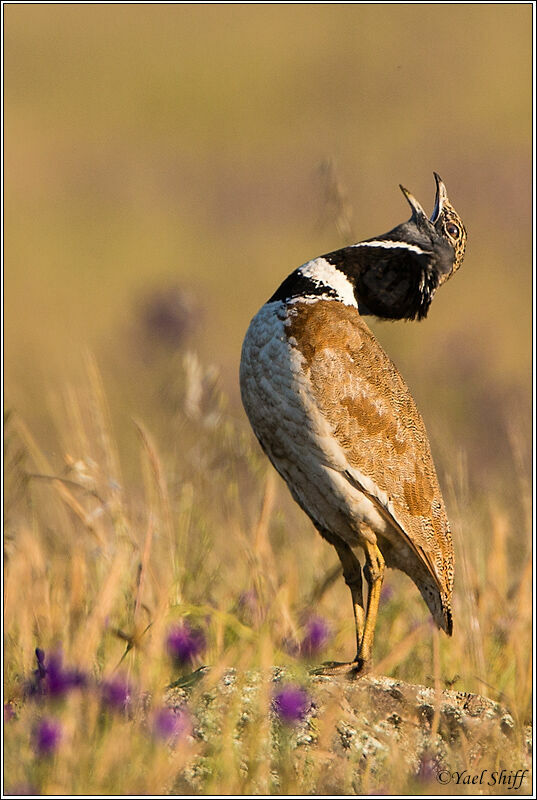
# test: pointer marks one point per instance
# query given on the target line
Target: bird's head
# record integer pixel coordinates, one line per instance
(396, 275)
(444, 227)
(448, 223)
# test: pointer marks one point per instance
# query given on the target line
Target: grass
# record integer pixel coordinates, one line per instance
(103, 569)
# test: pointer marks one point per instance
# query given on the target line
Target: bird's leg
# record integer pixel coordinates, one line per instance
(352, 572)
(374, 574)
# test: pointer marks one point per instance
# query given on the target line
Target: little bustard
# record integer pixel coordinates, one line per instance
(336, 418)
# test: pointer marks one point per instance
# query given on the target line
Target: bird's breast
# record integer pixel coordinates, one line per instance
(289, 424)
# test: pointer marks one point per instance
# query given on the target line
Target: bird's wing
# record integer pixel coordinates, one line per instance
(375, 421)
(390, 515)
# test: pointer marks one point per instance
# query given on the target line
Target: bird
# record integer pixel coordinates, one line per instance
(338, 422)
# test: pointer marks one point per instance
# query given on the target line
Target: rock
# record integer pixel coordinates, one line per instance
(353, 735)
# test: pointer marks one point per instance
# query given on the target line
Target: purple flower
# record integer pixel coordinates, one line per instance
(59, 680)
(9, 712)
(46, 737)
(52, 678)
(291, 703)
(170, 724)
(429, 768)
(116, 693)
(317, 635)
(184, 643)
(168, 315)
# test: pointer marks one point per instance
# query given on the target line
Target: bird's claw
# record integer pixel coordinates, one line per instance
(349, 669)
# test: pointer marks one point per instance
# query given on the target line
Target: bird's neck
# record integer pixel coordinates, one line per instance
(319, 279)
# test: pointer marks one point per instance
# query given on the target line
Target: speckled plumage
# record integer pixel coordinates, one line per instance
(335, 416)
(376, 423)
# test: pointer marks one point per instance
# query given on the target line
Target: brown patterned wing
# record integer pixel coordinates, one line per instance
(375, 420)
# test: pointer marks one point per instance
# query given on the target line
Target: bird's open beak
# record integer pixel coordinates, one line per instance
(441, 197)
(417, 210)
(440, 200)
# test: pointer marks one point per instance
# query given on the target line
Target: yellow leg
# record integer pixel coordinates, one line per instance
(374, 574)
(352, 572)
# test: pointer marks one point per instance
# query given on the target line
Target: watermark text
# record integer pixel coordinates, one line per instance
(508, 779)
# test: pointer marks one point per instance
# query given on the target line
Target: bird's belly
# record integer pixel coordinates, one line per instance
(295, 435)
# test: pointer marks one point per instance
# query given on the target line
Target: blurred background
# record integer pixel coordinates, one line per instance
(166, 167)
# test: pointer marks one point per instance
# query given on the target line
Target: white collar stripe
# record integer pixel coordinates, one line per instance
(404, 245)
(326, 274)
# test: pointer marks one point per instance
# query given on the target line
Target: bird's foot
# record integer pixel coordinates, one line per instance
(349, 669)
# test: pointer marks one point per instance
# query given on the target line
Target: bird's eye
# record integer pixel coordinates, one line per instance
(453, 230)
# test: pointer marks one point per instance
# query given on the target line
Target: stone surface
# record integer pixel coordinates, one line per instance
(353, 730)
